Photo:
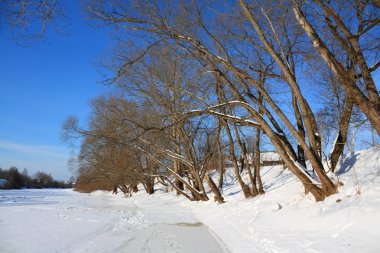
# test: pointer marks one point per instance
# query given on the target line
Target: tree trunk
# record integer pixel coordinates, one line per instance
(244, 159)
(221, 161)
(149, 187)
(221, 178)
(245, 188)
(301, 130)
(257, 163)
(178, 183)
(328, 188)
(217, 195)
(341, 138)
(318, 193)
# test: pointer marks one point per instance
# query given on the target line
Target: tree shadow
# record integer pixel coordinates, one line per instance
(234, 193)
(229, 181)
(347, 164)
(279, 181)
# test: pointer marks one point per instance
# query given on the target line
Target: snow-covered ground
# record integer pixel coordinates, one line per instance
(282, 220)
(65, 221)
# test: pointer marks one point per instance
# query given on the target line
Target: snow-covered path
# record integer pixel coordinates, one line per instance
(66, 221)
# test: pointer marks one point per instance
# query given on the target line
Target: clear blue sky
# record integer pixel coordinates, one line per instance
(40, 86)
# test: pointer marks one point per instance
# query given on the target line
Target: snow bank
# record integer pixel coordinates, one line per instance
(285, 220)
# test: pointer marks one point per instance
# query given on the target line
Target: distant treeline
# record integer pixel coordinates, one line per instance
(13, 179)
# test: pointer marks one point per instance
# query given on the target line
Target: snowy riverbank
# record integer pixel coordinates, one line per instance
(66, 221)
(282, 220)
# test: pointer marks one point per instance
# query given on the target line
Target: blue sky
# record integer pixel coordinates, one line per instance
(42, 84)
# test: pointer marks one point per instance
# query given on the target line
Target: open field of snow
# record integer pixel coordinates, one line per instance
(66, 221)
(282, 220)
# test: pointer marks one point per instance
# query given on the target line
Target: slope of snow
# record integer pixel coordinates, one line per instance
(282, 220)
(285, 220)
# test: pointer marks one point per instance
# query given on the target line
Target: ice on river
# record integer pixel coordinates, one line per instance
(67, 221)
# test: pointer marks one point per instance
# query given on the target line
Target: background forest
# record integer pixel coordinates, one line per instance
(13, 179)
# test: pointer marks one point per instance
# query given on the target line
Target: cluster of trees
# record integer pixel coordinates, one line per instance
(196, 75)
(13, 179)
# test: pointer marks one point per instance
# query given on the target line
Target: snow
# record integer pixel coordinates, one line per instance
(282, 220)
(66, 221)
(220, 58)
(333, 145)
(285, 220)
(269, 156)
(266, 156)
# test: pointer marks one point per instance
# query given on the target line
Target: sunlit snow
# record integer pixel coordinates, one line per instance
(282, 220)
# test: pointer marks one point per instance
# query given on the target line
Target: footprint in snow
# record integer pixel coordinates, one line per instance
(277, 207)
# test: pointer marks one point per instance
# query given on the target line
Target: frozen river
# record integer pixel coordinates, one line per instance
(66, 221)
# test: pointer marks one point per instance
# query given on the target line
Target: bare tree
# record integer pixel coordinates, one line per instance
(29, 19)
(353, 30)
(105, 154)
(158, 21)
(225, 42)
